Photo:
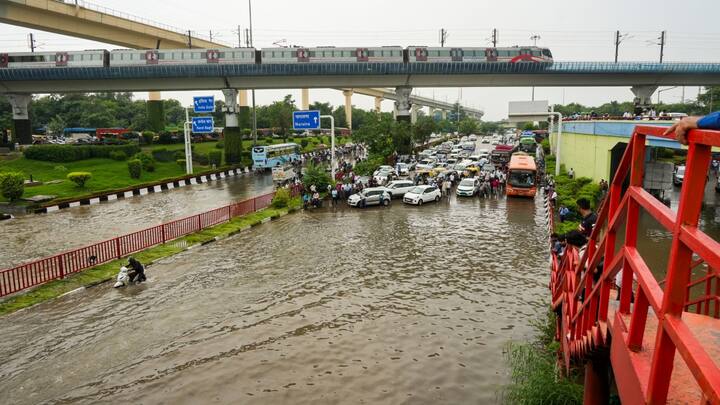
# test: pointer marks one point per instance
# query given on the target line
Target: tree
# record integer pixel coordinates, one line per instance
(376, 133)
(280, 113)
(468, 126)
(324, 108)
(56, 125)
(423, 128)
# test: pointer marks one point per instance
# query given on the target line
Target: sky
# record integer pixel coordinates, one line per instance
(575, 30)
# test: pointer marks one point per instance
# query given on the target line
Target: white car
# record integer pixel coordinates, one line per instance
(467, 188)
(402, 169)
(425, 164)
(370, 196)
(422, 194)
(384, 176)
(398, 188)
(472, 138)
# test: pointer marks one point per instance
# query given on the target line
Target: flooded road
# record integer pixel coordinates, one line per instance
(32, 237)
(384, 305)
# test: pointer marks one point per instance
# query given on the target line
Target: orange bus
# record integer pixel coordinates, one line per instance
(522, 176)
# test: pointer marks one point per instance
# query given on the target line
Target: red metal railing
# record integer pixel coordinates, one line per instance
(56, 267)
(584, 303)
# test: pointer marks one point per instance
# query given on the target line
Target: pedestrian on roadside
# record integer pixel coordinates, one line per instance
(571, 173)
(588, 217)
(563, 213)
(553, 197)
(335, 197)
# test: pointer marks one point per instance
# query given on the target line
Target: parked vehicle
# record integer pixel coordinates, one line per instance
(679, 175)
(467, 187)
(422, 194)
(370, 196)
(398, 188)
(472, 138)
(402, 169)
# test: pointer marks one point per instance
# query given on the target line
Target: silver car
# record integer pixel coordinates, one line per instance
(398, 188)
(370, 196)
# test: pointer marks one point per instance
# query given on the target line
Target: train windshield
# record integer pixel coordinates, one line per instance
(546, 52)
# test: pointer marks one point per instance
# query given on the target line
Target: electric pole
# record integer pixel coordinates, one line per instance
(443, 37)
(494, 37)
(210, 35)
(618, 39)
(249, 40)
(662, 45)
(31, 41)
(535, 38)
(189, 39)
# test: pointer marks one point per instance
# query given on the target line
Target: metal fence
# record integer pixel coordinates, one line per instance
(56, 267)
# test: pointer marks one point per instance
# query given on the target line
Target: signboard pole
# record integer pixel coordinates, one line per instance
(332, 144)
(188, 143)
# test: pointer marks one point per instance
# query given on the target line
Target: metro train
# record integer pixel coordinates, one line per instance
(385, 54)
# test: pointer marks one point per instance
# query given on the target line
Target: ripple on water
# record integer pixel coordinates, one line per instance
(397, 305)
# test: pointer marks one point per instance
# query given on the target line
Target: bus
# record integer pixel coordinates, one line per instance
(269, 156)
(528, 144)
(522, 176)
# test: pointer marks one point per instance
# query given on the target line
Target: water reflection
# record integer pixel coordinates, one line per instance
(35, 236)
(384, 305)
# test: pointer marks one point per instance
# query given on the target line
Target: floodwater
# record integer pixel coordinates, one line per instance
(381, 306)
(32, 237)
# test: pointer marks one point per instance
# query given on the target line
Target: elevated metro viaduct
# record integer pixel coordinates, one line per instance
(97, 23)
(642, 78)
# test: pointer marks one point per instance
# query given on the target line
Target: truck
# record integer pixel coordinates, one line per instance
(282, 174)
(501, 154)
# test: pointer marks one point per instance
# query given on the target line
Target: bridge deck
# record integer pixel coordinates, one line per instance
(683, 386)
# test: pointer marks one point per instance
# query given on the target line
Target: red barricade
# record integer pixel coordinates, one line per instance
(56, 267)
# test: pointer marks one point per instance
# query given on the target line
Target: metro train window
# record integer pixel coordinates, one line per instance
(547, 53)
(536, 53)
(26, 58)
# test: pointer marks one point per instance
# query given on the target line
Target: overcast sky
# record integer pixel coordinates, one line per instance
(572, 29)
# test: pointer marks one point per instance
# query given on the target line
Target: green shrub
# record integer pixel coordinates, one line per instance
(215, 158)
(12, 185)
(73, 153)
(148, 137)
(201, 158)
(281, 199)
(179, 154)
(304, 143)
(118, 155)
(167, 138)
(220, 145)
(148, 162)
(163, 155)
(367, 167)
(316, 175)
(181, 163)
(135, 168)
(79, 178)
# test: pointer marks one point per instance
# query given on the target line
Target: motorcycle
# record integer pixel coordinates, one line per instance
(124, 277)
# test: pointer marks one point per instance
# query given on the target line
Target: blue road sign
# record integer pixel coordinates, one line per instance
(306, 119)
(202, 125)
(204, 104)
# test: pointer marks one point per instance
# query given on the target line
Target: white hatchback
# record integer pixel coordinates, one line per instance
(422, 194)
(398, 188)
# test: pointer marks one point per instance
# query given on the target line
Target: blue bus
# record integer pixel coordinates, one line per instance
(269, 156)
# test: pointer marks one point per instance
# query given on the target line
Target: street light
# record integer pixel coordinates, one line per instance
(661, 90)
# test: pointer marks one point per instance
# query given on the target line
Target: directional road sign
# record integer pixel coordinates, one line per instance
(204, 104)
(202, 125)
(306, 119)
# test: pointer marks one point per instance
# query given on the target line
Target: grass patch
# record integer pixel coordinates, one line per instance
(107, 175)
(535, 377)
(107, 271)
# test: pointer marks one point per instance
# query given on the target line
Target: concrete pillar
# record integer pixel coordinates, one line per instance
(443, 114)
(305, 99)
(231, 108)
(348, 107)
(154, 96)
(22, 133)
(378, 104)
(244, 121)
(231, 133)
(643, 96)
(403, 102)
(414, 113)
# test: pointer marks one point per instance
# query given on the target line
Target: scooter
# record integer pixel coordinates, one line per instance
(124, 277)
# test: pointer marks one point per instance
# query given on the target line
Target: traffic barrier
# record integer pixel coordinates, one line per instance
(40, 271)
